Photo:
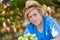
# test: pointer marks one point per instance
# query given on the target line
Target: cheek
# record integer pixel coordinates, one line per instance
(40, 18)
(30, 20)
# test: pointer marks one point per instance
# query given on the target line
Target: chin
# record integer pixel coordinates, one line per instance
(37, 24)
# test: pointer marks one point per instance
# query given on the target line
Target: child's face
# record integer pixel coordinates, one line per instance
(35, 17)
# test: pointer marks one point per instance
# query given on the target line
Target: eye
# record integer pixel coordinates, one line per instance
(29, 16)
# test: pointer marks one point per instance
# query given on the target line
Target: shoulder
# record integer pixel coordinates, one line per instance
(49, 18)
(51, 21)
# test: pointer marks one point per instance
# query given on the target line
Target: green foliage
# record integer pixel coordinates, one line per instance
(58, 10)
(58, 0)
(41, 1)
(17, 3)
(12, 12)
(47, 2)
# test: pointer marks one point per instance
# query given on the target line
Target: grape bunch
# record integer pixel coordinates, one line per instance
(28, 37)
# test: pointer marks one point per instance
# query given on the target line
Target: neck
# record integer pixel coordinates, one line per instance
(40, 27)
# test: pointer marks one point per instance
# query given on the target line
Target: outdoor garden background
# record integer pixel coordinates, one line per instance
(12, 21)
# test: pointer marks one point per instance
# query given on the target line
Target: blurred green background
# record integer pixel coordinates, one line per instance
(12, 21)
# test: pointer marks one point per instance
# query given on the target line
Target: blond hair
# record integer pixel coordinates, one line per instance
(31, 5)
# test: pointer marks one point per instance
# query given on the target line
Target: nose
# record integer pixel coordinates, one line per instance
(33, 18)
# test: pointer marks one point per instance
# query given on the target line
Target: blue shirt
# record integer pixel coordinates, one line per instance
(50, 30)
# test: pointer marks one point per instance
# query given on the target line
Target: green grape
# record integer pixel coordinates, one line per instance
(20, 38)
(33, 35)
(25, 35)
(35, 38)
(31, 38)
(28, 37)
